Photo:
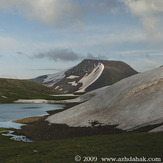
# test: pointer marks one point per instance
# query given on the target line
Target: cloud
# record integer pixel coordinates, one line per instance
(102, 6)
(59, 12)
(20, 53)
(45, 69)
(48, 12)
(130, 36)
(8, 43)
(8, 76)
(65, 55)
(146, 52)
(150, 13)
(144, 7)
(91, 56)
(59, 54)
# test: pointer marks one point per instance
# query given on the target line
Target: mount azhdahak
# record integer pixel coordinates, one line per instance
(87, 76)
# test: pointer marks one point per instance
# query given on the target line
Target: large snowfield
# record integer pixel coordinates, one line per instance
(131, 103)
(89, 79)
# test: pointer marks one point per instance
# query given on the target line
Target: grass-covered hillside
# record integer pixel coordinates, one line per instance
(13, 89)
(101, 146)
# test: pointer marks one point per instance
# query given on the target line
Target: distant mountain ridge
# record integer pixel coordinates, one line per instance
(49, 80)
(87, 75)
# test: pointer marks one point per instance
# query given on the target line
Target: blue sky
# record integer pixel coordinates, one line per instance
(40, 37)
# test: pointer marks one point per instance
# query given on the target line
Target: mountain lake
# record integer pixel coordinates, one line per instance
(10, 112)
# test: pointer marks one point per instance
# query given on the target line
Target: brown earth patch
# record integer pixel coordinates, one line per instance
(29, 119)
(43, 131)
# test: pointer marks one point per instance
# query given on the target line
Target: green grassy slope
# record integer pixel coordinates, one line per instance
(13, 89)
(118, 145)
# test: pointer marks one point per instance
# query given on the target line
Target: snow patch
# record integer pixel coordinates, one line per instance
(54, 78)
(34, 101)
(56, 87)
(88, 79)
(72, 77)
(4, 96)
(64, 95)
(73, 83)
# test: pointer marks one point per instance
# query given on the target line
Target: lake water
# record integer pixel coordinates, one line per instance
(10, 112)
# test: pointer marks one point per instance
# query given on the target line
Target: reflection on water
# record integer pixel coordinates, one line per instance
(10, 112)
(32, 107)
(10, 124)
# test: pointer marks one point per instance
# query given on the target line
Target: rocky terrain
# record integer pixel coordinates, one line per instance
(130, 104)
(86, 76)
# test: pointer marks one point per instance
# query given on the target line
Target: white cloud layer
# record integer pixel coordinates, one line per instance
(7, 43)
(67, 13)
(74, 12)
(59, 12)
(46, 11)
(150, 13)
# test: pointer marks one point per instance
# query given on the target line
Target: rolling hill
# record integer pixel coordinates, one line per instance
(131, 103)
(13, 89)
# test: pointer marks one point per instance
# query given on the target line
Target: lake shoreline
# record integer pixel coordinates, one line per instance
(42, 130)
(12, 112)
(32, 119)
(39, 101)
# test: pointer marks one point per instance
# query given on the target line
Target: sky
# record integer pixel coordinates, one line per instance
(40, 37)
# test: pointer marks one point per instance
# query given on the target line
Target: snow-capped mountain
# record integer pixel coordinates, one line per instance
(50, 79)
(87, 75)
(131, 103)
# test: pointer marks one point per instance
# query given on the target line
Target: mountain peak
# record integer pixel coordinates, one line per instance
(88, 75)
